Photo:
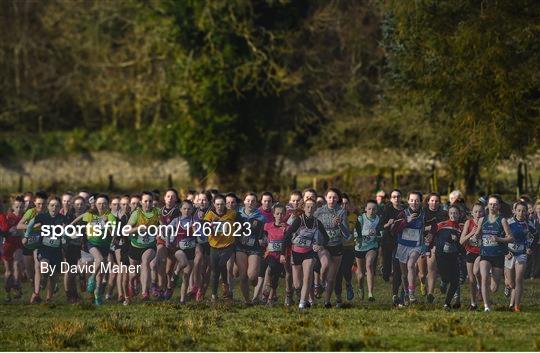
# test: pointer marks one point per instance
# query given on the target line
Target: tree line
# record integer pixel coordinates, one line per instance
(235, 87)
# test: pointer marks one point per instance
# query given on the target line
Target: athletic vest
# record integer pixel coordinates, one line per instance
(487, 246)
(413, 233)
(141, 239)
(326, 215)
(305, 237)
(443, 237)
(523, 236)
(369, 239)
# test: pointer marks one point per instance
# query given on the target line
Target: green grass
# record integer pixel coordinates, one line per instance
(364, 326)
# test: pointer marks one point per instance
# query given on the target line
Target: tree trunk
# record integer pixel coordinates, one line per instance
(472, 168)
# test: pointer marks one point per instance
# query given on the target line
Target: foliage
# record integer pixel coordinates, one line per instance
(463, 74)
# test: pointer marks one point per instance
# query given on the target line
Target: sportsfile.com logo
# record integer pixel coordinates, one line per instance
(108, 229)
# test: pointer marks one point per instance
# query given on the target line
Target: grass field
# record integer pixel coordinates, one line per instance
(166, 326)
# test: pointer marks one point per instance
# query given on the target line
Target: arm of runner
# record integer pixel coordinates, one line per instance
(400, 223)
(479, 227)
(358, 234)
(133, 221)
(324, 236)
(29, 227)
(508, 236)
(344, 225)
(464, 237)
(291, 230)
(22, 224)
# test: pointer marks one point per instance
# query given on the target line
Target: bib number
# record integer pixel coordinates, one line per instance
(248, 241)
(487, 241)
(447, 247)
(49, 241)
(333, 234)
(143, 239)
(473, 241)
(187, 244)
(516, 247)
(302, 242)
(275, 246)
(32, 239)
(411, 234)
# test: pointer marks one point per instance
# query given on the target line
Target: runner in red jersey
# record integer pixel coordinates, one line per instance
(471, 244)
(12, 248)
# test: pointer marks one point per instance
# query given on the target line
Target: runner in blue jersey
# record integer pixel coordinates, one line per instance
(494, 235)
(525, 239)
(249, 249)
(409, 229)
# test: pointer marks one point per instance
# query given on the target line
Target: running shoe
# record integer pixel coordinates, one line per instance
(412, 298)
(145, 297)
(327, 305)
(302, 305)
(473, 307)
(91, 284)
(36, 299)
(430, 298)
(155, 290)
(98, 300)
(350, 292)
(446, 307)
(18, 292)
(361, 293)
(395, 300)
(317, 291)
(371, 298)
(199, 296)
(168, 294)
(517, 309)
(288, 299)
(339, 304)
(486, 309)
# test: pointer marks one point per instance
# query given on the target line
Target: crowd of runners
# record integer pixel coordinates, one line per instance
(322, 246)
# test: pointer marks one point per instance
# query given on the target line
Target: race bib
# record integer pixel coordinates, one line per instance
(188, 243)
(516, 247)
(487, 241)
(302, 242)
(411, 234)
(248, 241)
(447, 247)
(474, 241)
(32, 239)
(52, 242)
(276, 246)
(143, 239)
(366, 238)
